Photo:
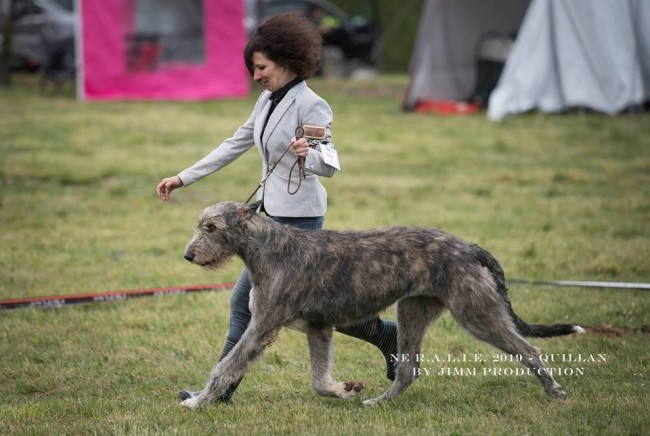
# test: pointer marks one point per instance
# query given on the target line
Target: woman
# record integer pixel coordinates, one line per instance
(283, 53)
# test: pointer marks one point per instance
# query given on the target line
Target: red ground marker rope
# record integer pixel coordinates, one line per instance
(56, 301)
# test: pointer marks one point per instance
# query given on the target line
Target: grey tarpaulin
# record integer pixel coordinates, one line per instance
(566, 53)
(593, 54)
(444, 59)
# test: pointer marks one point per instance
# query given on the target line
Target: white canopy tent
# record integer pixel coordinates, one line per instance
(567, 53)
(580, 53)
(444, 64)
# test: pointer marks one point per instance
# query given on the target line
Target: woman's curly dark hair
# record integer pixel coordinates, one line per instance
(290, 41)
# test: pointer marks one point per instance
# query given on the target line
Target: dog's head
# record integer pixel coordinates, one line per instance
(218, 234)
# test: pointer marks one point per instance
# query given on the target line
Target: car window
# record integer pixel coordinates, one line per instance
(24, 7)
(67, 4)
(282, 7)
(31, 7)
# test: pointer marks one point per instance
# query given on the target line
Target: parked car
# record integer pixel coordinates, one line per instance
(43, 32)
(348, 42)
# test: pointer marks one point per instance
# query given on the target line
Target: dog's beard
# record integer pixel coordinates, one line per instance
(213, 264)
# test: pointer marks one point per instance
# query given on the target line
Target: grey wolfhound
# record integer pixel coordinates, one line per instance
(314, 280)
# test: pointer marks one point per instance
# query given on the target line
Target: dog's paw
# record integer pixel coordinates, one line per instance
(556, 393)
(191, 403)
(347, 390)
(354, 386)
(184, 394)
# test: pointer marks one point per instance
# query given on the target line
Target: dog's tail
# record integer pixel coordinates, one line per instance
(531, 330)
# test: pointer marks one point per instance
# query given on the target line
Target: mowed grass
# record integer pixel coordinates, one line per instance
(552, 197)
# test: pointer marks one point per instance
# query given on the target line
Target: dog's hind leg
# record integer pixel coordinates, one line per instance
(234, 365)
(486, 316)
(320, 353)
(414, 314)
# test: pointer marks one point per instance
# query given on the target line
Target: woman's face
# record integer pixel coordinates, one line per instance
(269, 74)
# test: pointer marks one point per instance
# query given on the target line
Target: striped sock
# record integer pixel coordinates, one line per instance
(382, 334)
(184, 394)
(227, 348)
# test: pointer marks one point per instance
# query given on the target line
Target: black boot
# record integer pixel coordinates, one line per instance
(381, 334)
(225, 397)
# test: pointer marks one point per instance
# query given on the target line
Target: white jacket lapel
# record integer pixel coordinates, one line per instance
(280, 110)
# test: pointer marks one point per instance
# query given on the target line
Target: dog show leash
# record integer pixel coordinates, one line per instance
(310, 132)
(300, 161)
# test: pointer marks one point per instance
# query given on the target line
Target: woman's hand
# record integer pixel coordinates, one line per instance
(300, 147)
(167, 185)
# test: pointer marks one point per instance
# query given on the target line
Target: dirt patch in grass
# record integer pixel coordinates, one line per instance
(608, 330)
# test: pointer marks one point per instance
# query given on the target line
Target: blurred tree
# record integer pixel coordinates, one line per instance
(399, 25)
(7, 32)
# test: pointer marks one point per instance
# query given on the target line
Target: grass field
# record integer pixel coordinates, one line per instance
(563, 197)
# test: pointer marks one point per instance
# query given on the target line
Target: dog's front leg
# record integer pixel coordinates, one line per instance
(234, 365)
(320, 353)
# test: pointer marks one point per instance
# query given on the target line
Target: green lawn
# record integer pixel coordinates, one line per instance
(553, 197)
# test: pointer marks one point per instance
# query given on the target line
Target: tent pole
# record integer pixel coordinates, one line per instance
(78, 50)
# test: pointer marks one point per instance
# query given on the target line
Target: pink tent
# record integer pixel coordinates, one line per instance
(153, 50)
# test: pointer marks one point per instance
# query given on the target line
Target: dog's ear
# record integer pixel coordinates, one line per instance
(254, 208)
(248, 210)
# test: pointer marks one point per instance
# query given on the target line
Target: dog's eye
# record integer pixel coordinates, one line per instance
(210, 228)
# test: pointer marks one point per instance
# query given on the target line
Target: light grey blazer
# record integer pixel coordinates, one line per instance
(299, 106)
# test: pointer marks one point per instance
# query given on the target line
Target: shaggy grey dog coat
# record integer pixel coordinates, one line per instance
(314, 280)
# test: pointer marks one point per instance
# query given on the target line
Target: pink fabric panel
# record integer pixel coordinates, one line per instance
(223, 73)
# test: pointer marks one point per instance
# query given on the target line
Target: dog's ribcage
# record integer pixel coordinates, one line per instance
(349, 275)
